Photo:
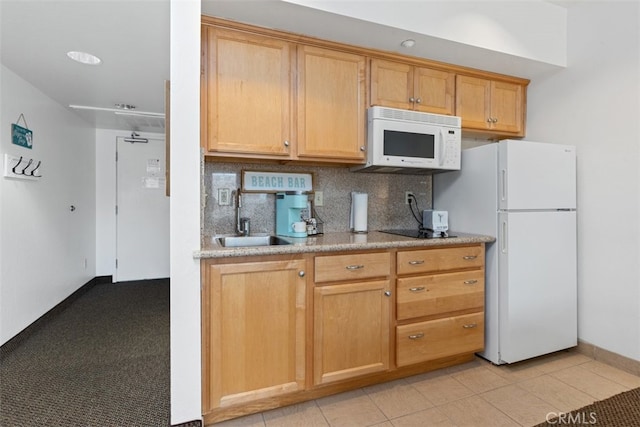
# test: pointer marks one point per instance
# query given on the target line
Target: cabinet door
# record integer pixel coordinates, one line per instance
(391, 84)
(434, 91)
(507, 107)
(473, 102)
(248, 93)
(254, 331)
(351, 330)
(331, 105)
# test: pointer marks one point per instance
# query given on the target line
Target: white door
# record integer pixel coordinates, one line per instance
(534, 175)
(537, 289)
(142, 219)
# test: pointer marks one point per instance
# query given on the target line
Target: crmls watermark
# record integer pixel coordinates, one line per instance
(577, 418)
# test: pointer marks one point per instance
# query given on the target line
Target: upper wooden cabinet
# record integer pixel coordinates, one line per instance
(264, 97)
(400, 85)
(490, 105)
(331, 104)
(267, 94)
(247, 94)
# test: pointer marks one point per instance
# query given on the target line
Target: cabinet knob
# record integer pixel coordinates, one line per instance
(412, 99)
(489, 120)
(301, 273)
(387, 293)
(286, 143)
(418, 101)
(495, 120)
(362, 148)
(416, 336)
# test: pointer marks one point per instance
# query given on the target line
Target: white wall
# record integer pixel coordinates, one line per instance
(44, 245)
(185, 211)
(106, 197)
(530, 29)
(595, 105)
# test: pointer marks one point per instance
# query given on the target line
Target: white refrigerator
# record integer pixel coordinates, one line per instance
(524, 194)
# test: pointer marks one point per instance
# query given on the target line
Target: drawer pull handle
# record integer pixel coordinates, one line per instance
(355, 267)
(470, 325)
(469, 257)
(417, 289)
(470, 282)
(416, 336)
(418, 262)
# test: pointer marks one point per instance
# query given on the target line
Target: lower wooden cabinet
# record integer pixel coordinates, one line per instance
(253, 331)
(282, 329)
(351, 330)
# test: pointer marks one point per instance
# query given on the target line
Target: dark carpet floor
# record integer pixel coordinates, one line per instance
(102, 361)
(621, 410)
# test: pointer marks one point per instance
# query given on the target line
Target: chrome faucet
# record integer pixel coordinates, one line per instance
(243, 224)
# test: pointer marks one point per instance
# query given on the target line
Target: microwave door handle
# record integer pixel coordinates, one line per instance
(441, 148)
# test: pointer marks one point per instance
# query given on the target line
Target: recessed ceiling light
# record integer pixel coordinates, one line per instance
(84, 58)
(408, 43)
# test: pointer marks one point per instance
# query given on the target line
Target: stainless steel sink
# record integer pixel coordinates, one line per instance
(244, 241)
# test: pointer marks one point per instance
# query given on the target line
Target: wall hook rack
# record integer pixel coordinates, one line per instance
(20, 167)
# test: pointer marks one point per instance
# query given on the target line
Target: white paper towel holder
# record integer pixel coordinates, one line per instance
(358, 220)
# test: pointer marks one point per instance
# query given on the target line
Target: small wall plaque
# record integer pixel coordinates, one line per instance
(21, 136)
(276, 182)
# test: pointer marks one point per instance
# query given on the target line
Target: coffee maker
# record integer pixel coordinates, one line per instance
(289, 207)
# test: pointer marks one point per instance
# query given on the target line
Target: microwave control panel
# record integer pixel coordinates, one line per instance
(452, 147)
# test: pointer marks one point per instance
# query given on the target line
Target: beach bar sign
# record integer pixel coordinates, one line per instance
(276, 182)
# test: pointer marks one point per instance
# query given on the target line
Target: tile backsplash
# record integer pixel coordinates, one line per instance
(386, 207)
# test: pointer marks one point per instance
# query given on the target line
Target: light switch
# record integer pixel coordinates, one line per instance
(318, 199)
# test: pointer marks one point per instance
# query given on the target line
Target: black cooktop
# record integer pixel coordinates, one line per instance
(417, 233)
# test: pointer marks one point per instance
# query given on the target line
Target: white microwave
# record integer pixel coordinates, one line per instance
(403, 141)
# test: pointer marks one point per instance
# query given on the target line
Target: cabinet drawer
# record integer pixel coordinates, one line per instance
(348, 267)
(423, 341)
(438, 294)
(441, 259)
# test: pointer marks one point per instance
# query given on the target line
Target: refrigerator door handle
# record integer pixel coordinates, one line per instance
(503, 177)
(503, 238)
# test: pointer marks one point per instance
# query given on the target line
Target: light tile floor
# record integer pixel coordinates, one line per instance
(476, 394)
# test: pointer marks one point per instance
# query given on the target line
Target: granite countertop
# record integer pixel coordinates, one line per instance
(332, 242)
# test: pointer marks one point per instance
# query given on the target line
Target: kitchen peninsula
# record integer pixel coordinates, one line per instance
(288, 323)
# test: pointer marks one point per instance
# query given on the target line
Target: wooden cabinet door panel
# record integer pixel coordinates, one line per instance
(391, 84)
(473, 102)
(506, 107)
(331, 104)
(434, 90)
(249, 93)
(351, 330)
(253, 349)
(439, 294)
(423, 341)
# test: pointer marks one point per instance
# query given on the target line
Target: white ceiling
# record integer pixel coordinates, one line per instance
(132, 39)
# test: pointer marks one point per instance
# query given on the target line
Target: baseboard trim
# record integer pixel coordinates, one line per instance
(608, 357)
(15, 342)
